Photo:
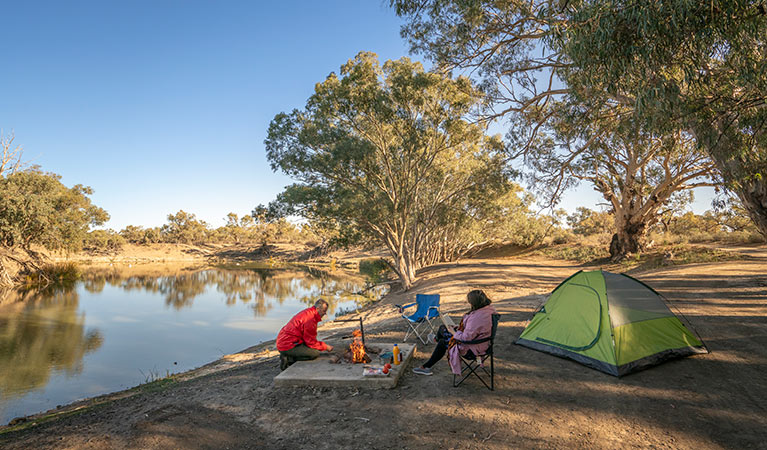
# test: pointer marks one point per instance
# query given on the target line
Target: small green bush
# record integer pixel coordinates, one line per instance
(103, 241)
(56, 275)
(579, 253)
(374, 268)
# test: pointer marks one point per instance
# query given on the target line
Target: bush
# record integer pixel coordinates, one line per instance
(374, 268)
(52, 275)
(586, 222)
(103, 241)
(579, 253)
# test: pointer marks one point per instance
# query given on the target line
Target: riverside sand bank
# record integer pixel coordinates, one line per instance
(706, 401)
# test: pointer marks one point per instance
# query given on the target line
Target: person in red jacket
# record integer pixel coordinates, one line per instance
(297, 341)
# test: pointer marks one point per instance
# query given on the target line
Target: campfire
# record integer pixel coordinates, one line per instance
(356, 353)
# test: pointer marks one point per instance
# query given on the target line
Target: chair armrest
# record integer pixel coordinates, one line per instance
(474, 341)
(403, 307)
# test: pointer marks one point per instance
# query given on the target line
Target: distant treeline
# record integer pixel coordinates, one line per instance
(732, 226)
(184, 228)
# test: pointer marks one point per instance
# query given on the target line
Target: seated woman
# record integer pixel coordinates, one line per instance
(476, 324)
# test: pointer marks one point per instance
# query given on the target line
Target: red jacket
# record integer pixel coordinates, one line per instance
(302, 329)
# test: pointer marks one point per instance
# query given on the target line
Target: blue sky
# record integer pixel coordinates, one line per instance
(164, 105)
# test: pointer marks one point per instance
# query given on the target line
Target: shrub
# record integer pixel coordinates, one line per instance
(103, 241)
(374, 268)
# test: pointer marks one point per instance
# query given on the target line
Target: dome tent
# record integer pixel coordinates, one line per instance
(610, 322)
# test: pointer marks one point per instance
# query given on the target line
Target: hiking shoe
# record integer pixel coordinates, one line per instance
(284, 362)
(422, 371)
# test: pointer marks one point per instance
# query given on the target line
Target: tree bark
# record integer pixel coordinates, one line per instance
(753, 195)
(405, 272)
(738, 169)
(629, 238)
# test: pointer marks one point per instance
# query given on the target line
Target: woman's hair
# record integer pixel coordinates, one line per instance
(477, 299)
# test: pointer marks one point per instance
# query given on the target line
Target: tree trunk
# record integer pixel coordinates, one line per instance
(744, 170)
(630, 238)
(404, 271)
(753, 195)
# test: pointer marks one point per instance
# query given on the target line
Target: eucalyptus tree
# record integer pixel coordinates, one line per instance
(699, 66)
(677, 64)
(388, 153)
(10, 155)
(637, 173)
(36, 209)
(185, 228)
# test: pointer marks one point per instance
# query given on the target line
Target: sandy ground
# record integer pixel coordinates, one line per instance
(178, 252)
(716, 400)
(280, 251)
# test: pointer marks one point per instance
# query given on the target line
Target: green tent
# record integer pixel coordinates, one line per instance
(610, 322)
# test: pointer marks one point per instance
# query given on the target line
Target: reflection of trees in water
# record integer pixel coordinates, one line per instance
(259, 288)
(41, 334)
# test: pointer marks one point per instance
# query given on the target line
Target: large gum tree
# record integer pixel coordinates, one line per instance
(678, 65)
(386, 153)
(637, 173)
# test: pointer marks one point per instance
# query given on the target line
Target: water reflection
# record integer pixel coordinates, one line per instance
(118, 323)
(41, 333)
(258, 287)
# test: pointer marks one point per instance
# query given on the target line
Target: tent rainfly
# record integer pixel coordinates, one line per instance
(610, 322)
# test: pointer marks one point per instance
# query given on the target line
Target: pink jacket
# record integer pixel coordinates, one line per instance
(476, 325)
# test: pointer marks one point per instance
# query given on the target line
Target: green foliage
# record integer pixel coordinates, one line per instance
(580, 253)
(664, 66)
(52, 277)
(727, 226)
(699, 66)
(374, 269)
(586, 222)
(184, 228)
(140, 235)
(37, 209)
(386, 154)
(103, 241)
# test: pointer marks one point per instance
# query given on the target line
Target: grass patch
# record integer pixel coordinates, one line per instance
(52, 276)
(660, 256)
(677, 255)
(156, 385)
(580, 253)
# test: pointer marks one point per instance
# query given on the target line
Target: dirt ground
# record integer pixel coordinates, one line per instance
(213, 253)
(717, 400)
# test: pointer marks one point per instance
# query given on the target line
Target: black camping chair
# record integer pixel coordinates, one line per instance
(471, 366)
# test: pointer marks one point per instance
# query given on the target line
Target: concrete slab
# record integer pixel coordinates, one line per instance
(323, 372)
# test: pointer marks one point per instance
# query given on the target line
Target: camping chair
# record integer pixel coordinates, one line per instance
(418, 322)
(473, 365)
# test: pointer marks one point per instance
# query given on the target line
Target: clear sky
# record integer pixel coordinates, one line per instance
(164, 105)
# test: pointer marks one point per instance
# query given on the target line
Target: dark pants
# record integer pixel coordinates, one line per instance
(443, 337)
(300, 353)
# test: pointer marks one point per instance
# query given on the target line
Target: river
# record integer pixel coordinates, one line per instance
(120, 326)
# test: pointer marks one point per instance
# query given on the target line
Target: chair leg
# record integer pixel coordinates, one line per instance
(413, 330)
(492, 374)
(472, 367)
(465, 367)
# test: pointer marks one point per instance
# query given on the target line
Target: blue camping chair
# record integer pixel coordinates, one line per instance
(425, 313)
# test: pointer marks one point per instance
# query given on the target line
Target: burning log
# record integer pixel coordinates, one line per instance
(357, 351)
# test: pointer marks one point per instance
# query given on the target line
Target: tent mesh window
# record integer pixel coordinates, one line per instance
(630, 301)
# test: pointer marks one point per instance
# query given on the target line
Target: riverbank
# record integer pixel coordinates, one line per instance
(705, 401)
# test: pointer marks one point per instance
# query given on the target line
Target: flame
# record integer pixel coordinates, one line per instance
(357, 347)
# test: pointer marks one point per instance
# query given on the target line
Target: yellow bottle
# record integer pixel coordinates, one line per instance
(396, 355)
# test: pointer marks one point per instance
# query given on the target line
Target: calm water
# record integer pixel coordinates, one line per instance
(123, 326)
